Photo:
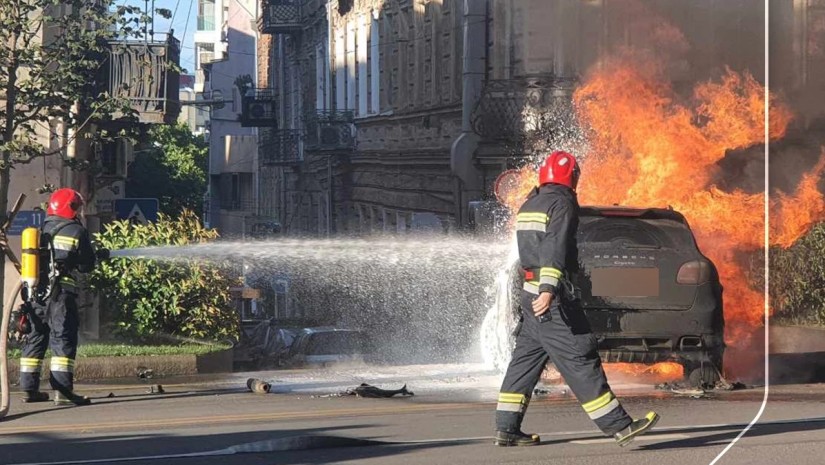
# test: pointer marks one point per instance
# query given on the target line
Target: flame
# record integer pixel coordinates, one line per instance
(656, 373)
(648, 147)
(796, 214)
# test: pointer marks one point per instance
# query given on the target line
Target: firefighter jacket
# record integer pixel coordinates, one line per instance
(68, 251)
(546, 227)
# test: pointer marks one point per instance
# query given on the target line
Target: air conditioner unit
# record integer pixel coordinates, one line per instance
(258, 110)
(335, 135)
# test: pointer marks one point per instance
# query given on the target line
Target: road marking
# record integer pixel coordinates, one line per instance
(646, 437)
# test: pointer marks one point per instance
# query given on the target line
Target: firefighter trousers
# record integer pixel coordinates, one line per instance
(567, 341)
(54, 325)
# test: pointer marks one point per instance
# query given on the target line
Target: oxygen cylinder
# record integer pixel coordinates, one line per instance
(30, 258)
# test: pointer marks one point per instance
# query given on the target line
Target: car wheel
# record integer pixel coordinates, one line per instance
(704, 375)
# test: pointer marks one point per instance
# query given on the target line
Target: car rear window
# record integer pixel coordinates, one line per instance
(633, 233)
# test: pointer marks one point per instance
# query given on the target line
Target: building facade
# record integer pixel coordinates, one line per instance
(232, 197)
(394, 115)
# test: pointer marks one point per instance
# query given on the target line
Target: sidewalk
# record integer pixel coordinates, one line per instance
(97, 368)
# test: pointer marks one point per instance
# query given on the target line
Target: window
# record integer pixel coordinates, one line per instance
(206, 15)
(375, 66)
(321, 77)
(340, 71)
(351, 103)
(361, 56)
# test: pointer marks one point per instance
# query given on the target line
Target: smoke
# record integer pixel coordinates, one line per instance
(790, 158)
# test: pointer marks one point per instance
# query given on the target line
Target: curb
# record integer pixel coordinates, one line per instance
(97, 368)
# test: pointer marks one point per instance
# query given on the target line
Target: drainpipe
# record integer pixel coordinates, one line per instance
(462, 154)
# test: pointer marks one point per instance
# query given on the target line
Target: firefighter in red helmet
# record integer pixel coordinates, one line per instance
(554, 326)
(65, 251)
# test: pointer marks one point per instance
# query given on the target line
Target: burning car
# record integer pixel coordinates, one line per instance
(649, 294)
(648, 291)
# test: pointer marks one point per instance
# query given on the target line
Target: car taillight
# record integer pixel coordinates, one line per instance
(695, 272)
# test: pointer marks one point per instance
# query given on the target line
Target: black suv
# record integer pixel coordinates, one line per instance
(648, 292)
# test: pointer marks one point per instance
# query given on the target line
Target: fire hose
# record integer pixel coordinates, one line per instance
(7, 309)
(4, 340)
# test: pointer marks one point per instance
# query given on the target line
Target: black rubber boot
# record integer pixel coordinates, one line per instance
(71, 399)
(505, 439)
(637, 428)
(35, 396)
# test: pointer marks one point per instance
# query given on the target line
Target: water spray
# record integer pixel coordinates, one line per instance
(421, 298)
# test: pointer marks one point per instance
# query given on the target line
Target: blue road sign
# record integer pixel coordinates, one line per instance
(26, 219)
(138, 211)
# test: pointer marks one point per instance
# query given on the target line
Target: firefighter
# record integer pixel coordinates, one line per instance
(554, 326)
(65, 251)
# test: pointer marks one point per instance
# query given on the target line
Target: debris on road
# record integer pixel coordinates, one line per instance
(726, 386)
(682, 390)
(258, 386)
(156, 389)
(369, 391)
(366, 390)
(543, 391)
(144, 373)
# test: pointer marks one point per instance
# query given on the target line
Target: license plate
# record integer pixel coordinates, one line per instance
(625, 282)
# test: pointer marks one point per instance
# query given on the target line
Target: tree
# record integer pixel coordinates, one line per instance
(173, 170)
(49, 66)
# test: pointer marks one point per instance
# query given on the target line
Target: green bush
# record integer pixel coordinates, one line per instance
(151, 300)
(797, 286)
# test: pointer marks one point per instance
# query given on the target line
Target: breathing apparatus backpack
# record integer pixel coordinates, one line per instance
(39, 272)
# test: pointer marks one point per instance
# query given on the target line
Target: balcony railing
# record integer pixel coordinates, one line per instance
(516, 109)
(146, 74)
(281, 17)
(258, 108)
(280, 147)
(330, 130)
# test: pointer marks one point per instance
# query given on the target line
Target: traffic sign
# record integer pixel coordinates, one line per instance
(137, 211)
(26, 219)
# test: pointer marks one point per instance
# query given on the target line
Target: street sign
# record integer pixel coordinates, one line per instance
(137, 211)
(26, 219)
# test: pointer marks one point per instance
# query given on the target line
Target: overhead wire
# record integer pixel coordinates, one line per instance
(175, 13)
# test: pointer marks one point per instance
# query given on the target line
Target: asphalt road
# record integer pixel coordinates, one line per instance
(449, 420)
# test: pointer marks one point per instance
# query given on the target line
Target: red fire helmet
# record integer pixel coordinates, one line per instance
(65, 203)
(559, 168)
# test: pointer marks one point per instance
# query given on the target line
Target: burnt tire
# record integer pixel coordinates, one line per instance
(705, 375)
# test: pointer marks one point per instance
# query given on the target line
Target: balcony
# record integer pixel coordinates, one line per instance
(281, 17)
(146, 75)
(330, 130)
(522, 108)
(258, 109)
(280, 147)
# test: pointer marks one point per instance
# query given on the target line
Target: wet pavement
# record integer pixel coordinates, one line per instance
(216, 420)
